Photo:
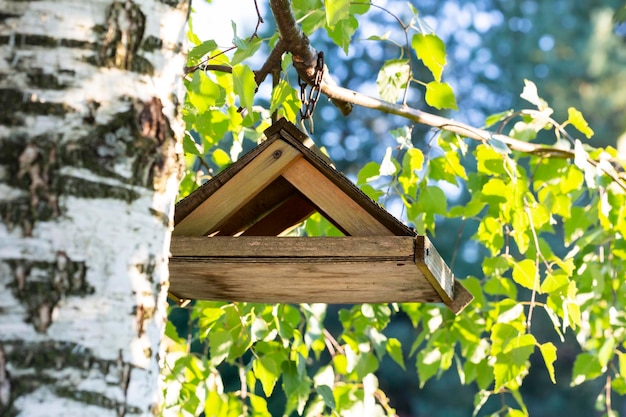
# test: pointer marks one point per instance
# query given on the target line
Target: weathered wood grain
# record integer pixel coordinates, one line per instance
(400, 247)
(240, 189)
(331, 200)
(267, 281)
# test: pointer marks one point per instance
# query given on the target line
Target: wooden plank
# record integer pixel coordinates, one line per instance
(263, 203)
(284, 218)
(193, 200)
(332, 201)
(397, 247)
(267, 281)
(434, 268)
(240, 189)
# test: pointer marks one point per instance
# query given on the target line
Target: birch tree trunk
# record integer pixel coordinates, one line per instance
(89, 168)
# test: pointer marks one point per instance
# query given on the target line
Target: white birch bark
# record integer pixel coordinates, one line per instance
(88, 174)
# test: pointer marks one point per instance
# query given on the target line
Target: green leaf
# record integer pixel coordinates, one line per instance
(428, 364)
(432, 200)
(394, 348)
(512, 365)
(220, 343)
(267, 370)
(548, 351)
(327, 394)
(432, 52)
(259, 406)
(336, 10)
(245, 50)
(297, 387)
(370, 172)
(490, 234)
(366, 363)
(202, 49)
(343, 31)
(215, 404)
(285, 96)
(190, 146)
(244, 85)
(392, 79)
(203, 93)
(220, 157)
(440, 96)
(576, 118)
(501, 334)
(516, 413)
(313, 20)
(497, 117)
(586, 367)
(413, 160)
(554, 281)
(525, 273)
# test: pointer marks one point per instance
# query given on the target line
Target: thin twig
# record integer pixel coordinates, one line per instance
(259, 20)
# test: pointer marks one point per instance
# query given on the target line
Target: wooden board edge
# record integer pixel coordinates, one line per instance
(188, 204)
(434, 268)
(462, 298)
(400, 247)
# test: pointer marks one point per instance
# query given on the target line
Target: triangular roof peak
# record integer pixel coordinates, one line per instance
(287, 168)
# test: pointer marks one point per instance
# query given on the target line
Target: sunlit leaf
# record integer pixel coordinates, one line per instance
(244, 85)
(220, 157)
(497, 117)
(576, 118)
(431, 50)
(531, 95)
(586, 367)
(220, 343)
(525, 273)
(392, 79)
(394, 348)
(336, 10)
(548, 352)
(387, 166)
(440, 95)
(267, 370)
(285, 96)
(245, 50)
(343, 31)
(202, 49)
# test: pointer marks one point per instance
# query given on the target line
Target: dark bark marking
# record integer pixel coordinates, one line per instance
(156, 140)
(19, 102)
(54, 355)
(46, 41)
(39, 285)
(125, 25)
(32, 166)
(5, 383)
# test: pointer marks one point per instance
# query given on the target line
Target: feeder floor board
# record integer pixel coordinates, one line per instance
(334, 270)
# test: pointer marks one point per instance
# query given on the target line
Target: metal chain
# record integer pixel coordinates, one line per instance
(309, 98)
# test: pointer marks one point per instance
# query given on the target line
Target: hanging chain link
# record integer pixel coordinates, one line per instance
(309, 98)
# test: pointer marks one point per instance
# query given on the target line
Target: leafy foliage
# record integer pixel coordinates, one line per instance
(552, 220)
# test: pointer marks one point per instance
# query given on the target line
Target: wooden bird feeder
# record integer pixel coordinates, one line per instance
(227, 242)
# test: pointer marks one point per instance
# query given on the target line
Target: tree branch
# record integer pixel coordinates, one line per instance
(304, 55)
